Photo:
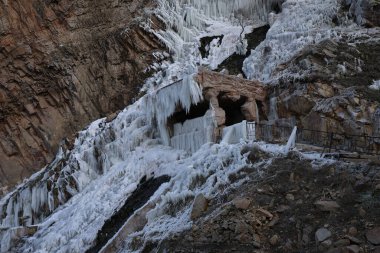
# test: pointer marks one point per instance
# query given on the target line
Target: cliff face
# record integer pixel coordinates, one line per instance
(63, 64)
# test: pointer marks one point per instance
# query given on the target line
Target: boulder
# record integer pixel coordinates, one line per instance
(200, 205)
(353, 249)
(274, 240)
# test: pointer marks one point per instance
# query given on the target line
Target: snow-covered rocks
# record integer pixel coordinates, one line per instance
(365, 12)
(301, 23)
(375, 85)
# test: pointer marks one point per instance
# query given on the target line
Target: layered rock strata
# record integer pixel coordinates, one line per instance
(64, 64)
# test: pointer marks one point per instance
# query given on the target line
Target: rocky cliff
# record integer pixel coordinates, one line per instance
(63, 64)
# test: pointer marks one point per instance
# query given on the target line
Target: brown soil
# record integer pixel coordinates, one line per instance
(225, 228)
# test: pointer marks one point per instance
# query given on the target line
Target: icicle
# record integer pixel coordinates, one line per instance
(233, 134)
(162, 103)
(273, 109)
(34, 200)
(193, 133)
(292, 141)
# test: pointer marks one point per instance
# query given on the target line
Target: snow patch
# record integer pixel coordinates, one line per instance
(375, 85)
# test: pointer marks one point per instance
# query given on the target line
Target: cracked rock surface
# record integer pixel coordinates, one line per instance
(62, 65)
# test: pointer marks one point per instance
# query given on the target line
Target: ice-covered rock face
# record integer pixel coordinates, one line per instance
(301, 23)
(228, 8)
(96, 150)
(365, 12)
(187, 21)
(160, 105)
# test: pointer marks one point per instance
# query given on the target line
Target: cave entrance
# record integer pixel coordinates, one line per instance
(234, 114)
(196, 111)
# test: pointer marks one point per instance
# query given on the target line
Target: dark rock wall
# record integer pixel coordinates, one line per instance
(63, 64)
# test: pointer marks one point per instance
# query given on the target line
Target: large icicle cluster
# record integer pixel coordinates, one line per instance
(189, 17)
(301, 23)
(193, 133)
(162, 103)
(31, 202)
(233, 134)
(105, 165)
(187, 21)
(96, 150)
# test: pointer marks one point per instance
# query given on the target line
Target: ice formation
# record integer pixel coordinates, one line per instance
(292, 140)
(96, 150)
(193, 133)
(162, 103)
(233, 134)
(187, 21)
(273, 115)
(375, 85)
(301, 23)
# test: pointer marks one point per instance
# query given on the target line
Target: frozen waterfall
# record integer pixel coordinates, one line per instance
(162, 103)
(233, 134)
(292, 140)
(187, 21)
(301, 23)
(193, 133)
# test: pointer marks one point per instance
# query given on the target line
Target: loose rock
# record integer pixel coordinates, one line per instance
(274, 240)
(290, 197)
(362, 212)
(322, 234)
(353, 239)
(199, 206)
(342, 243)
(328, 206)
(241, 203)
(373, 236)
(327, 243)
(352, 231)
(353, 249)
(265, 213)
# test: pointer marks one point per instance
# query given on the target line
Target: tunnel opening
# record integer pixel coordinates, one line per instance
(232, 109)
